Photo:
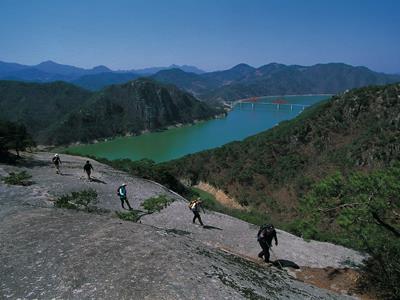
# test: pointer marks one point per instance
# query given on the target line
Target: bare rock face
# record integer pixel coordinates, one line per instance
(65, 254)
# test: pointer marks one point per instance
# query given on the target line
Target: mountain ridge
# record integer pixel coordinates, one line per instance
(62, 113)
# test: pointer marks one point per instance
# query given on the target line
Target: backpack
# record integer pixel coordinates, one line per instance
(265, 229)
(193, 204)
(118, 192)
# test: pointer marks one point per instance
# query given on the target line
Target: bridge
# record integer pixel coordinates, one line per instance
(278, 103)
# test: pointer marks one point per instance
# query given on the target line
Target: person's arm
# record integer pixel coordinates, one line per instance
(276, 238)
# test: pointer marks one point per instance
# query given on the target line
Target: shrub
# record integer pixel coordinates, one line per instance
(155, 204)
(78, 200)
(20, 178)
(132, 216)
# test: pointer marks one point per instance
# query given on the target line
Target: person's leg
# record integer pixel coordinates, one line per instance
(88, 175)
(194, 217)
(199, 217)
(265, 248)
(261, 254)
(122, 202)
(266, 255)
(127, 202)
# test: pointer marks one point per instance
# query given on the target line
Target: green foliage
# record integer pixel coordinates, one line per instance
(59, 113)
(156, 204)
(20, 178)
(82, 200)
(348, 132)
(132, 216)
(147, 169)
(13, 136)
(249, 215)
(359, 211)
(39, 105)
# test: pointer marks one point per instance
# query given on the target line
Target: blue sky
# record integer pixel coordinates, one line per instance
(210, 34)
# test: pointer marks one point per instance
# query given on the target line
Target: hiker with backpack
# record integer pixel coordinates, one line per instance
(195, 206)
(57, 162)
(264, 237)
(88, 169)
(122, 196)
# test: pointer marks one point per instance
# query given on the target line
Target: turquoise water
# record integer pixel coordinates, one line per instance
(240, 123)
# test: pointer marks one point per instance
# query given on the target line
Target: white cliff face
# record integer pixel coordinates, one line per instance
(56, 253)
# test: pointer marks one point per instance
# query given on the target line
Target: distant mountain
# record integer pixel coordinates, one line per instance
(70, 71)
(97, 82)
(61, 113)
(47, 71)
(191, 82)
(6, 68)
(130, 108)
(243, 81)
(153, 70)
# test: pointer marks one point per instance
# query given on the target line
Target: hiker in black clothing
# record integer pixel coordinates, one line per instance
(122, 196)
(195, 208)
(88, 169)
(264, 237)
(57, 162)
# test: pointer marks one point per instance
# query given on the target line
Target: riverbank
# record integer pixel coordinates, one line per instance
(182, 140)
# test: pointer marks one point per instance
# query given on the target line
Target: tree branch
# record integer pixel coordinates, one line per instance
(384, 224)
(341, 206)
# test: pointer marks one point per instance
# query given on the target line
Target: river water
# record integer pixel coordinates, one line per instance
(240, 123)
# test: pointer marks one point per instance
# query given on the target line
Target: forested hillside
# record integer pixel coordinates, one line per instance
(129, 109)
(60, 113)
(358, 130)
(38, 106)
(331, 174)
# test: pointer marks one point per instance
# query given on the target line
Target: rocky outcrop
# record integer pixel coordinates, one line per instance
(55, 253)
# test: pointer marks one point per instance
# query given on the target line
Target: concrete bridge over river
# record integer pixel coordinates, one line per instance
(253, 101)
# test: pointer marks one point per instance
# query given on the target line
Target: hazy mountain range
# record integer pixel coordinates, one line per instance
(92, 79)
(241, 81)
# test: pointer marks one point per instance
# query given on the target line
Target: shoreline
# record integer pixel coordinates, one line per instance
(142, 132)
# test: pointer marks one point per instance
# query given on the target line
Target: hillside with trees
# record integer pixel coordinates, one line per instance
(60, 113)
(331, 174)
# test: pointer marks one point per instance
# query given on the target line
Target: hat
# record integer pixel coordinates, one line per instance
(123, 184)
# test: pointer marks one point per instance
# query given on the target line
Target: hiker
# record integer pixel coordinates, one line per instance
(88, 169)
(194, 206)
(264, 237)
(122, 196)
(57, 162)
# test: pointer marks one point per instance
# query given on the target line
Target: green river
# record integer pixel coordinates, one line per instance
(242, 121)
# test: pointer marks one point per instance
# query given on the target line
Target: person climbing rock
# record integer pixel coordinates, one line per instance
(57, 162)
(123, 197)
(88, 169)
(195, 206)
(264, 238)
